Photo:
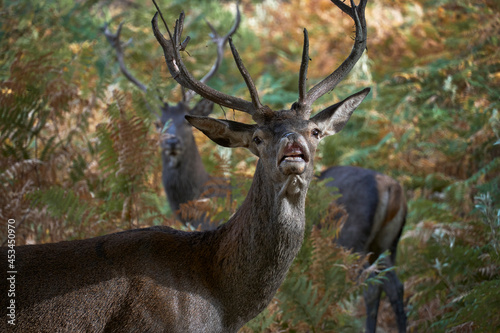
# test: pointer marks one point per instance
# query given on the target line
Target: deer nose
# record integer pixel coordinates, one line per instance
(293, 142)
(172, 142)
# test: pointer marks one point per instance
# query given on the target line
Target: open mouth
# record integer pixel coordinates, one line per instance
(293, 158)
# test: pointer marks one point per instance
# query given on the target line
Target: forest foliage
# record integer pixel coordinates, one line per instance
(80, 154)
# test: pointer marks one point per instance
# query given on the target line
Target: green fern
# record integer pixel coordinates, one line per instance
(300, 302)
(66, 205)
(262, 322)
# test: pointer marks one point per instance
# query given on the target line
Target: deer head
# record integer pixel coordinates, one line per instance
(176, 139)
(284, 140)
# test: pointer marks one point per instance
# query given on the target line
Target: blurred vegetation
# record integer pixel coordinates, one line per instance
(79, 152)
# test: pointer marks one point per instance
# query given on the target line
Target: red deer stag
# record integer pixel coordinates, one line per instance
(375, 203)
(163, 280)
(376, 212)
(184, 177)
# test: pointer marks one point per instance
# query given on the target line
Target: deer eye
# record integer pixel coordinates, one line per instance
(316, 132)
(257, 140)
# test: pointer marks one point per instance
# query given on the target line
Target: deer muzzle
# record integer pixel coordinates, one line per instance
(293, 155)
(171, 145)
(172, 149)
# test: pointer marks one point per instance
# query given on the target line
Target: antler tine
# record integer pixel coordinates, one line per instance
(357, 13)
(303, 71)
(236, 22)
(248, 80)
(114, 40)
(179, 27)
(220, 42)
(171, 50)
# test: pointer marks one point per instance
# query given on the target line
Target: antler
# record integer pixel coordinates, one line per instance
(221, 43)
(171, 50)
(357, 13)
(114, 40)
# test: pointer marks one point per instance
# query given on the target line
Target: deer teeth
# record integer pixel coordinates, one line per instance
(293, 153)
(294, 158)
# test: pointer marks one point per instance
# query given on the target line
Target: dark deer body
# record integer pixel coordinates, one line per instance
(184, 176)
(376, 208)
(164, 280)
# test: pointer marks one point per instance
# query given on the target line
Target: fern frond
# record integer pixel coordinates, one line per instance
(65, 204)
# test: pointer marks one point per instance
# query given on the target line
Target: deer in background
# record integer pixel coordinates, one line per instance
(160, 279)
(376, 213)
(185, 179)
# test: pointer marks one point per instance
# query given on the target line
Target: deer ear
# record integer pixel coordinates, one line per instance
(226, 133)
(332, 119)
(202, 108)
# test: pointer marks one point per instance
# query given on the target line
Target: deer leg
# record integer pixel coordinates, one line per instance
(372, 301)
(395, 291)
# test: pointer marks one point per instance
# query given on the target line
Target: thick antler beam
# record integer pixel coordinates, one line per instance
(179, 72)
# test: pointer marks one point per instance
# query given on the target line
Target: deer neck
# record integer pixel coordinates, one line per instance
(259, 243)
